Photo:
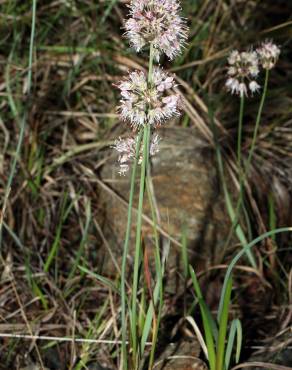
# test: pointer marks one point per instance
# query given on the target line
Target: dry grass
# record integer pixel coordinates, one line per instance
(54, 217)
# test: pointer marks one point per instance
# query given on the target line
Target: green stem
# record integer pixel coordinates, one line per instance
(248, 247)
(159, 274)
(230, 209)
(137, 254)
(223, 321)
(247, 166)
(239, 138)
(257, 125)
(144, 165)
(125, 254)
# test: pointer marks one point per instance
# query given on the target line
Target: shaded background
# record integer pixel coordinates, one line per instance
(55, 216)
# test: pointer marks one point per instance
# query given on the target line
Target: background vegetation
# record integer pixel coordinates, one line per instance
(56, 89)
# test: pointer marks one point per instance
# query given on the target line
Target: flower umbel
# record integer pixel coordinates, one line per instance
(143, 103)
(268, 54)
(127, 151)
(242, 72)
(156, 22)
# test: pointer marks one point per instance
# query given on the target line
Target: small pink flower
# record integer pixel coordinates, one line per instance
(268, 54)
(127, 151)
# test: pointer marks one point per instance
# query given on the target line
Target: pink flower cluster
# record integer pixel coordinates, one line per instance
(150, 100)
(127, 151)
(268, 54)
(143, 103)
(156, 22)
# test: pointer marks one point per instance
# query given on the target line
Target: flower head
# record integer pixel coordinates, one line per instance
(127, 151)
(242, 71)
(143, 103)
(268, 54)
(156, 22)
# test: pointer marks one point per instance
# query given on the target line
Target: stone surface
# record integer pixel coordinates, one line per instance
(187, 194)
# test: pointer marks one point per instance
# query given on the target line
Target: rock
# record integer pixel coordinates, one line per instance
(187, 194)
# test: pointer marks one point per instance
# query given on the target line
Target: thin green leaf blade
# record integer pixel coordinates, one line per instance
(223, 320)
(206, 322)
(102, 279)
(235, 330)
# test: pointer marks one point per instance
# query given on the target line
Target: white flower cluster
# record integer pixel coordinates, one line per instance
(127, 151)
(242, 72)
(243, 68)
(156, 22)
(143, 103)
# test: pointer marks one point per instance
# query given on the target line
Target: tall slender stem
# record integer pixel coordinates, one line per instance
(125, 254)
(144, 165)
(244, 174)
(159, 272)
(138, 239)
(240, 124)
(228, 200)
(257, 124)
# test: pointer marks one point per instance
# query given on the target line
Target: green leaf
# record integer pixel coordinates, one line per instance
(207, 322)
(102, 279)
(223, 320)
(243, 251)
(235, 329)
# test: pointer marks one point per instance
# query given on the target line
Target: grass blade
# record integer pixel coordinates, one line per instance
(235, 329)
(243, 251)
(199, 335)
(102, 279)
(23, 120)
(83, 240)
(56, 243)
(207, 322)
(223, 320)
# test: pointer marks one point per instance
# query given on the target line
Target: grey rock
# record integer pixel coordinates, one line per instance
(187, 193)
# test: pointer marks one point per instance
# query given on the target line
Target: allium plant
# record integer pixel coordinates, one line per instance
(218, 342)
(243, 70)
(147, 101)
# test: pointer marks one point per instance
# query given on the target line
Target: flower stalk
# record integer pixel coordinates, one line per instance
(243, 68)
(125, 254)
(257, 124)
(239, 138)
(147, 101)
